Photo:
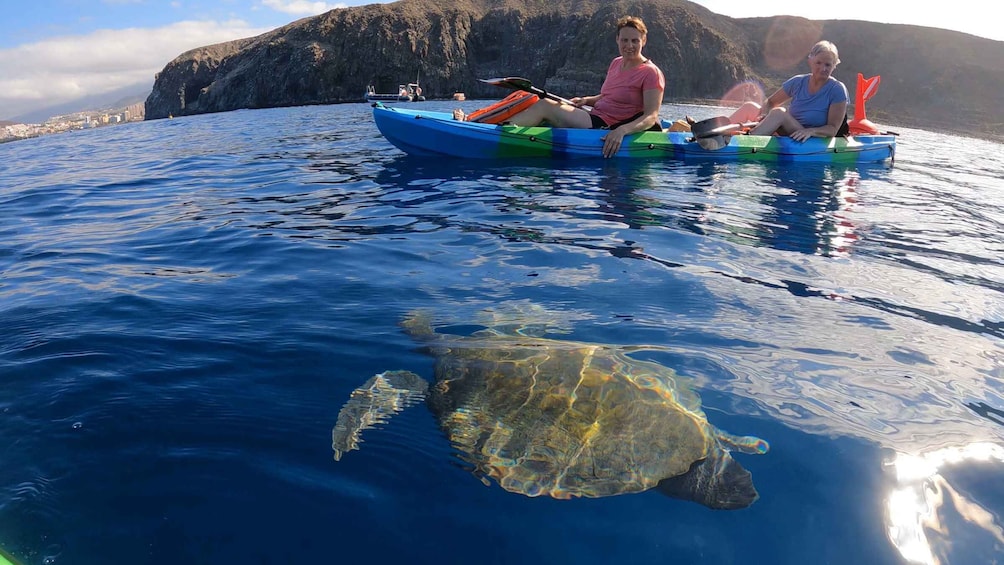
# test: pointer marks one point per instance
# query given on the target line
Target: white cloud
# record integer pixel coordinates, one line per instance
(58, 70)
(300, 7)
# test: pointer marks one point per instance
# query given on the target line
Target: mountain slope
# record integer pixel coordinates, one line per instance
(118, 98)
(930, 78)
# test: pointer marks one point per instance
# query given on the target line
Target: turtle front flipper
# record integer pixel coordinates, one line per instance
(751, 445)
(718, 482)
(374, 403)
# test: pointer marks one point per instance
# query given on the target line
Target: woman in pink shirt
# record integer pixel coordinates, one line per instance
(628, 101)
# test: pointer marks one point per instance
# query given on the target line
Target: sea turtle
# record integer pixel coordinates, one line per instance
(560, 418)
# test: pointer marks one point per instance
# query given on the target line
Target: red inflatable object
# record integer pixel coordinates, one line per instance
(867, 87)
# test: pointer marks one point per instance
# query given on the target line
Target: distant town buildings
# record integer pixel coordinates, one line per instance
(75, 121)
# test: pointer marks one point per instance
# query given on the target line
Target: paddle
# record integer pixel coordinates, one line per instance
(719, 125)
(518, 83)
(713, 133)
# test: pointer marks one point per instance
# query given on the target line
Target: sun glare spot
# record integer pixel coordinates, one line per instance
(913, 505)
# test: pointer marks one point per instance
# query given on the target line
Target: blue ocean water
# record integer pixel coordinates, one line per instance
(187, 304)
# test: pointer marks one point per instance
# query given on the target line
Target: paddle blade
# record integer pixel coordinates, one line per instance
(713, 143)
(512, 83)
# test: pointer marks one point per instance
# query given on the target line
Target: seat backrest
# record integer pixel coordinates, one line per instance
(504, 109)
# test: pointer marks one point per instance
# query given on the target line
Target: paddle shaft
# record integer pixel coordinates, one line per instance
(544, 94)
(517, 83)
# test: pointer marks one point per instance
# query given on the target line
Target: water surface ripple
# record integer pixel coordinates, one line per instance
(188, 303)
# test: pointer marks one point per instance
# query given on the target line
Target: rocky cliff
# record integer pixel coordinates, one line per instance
(930, 78)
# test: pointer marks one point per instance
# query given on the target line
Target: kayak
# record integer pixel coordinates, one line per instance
(436, 134)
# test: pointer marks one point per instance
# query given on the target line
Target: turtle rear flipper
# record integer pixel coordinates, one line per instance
(716, 482)
(374, 403)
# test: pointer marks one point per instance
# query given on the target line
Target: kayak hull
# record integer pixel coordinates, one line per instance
(437, 134)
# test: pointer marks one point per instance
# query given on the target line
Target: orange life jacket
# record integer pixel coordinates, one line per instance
(504, 109)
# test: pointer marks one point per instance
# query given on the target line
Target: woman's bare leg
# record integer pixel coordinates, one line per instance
(748, 112)
(778, 120)
(556, 114)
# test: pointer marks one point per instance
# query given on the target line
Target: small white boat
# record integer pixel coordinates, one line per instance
(410, 92)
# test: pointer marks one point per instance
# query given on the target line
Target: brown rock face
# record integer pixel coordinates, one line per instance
(561, 45)
(930, 78)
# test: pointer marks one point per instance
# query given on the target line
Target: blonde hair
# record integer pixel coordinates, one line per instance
(632, 21)
(825, 47)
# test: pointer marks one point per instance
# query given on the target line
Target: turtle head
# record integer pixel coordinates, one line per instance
(418, 324)
(718, 482)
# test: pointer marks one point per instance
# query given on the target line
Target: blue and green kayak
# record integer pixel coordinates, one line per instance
(437, 134)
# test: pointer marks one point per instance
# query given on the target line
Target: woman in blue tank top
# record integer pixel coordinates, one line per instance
(818, 101)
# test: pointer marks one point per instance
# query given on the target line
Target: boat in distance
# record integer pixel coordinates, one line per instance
(410, 92)
(438, 134)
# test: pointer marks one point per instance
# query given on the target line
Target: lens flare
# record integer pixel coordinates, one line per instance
(746, 91)
(789, 40)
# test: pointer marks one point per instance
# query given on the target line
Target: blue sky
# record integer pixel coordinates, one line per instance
(40, 19)
(55, 51)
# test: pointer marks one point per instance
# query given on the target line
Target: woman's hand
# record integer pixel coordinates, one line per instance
(612, 142)
(801, 135)
(578, 101)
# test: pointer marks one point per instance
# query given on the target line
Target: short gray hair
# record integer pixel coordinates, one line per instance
(825, 47)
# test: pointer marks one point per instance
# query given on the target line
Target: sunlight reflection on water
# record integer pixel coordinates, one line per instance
(921, 499)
